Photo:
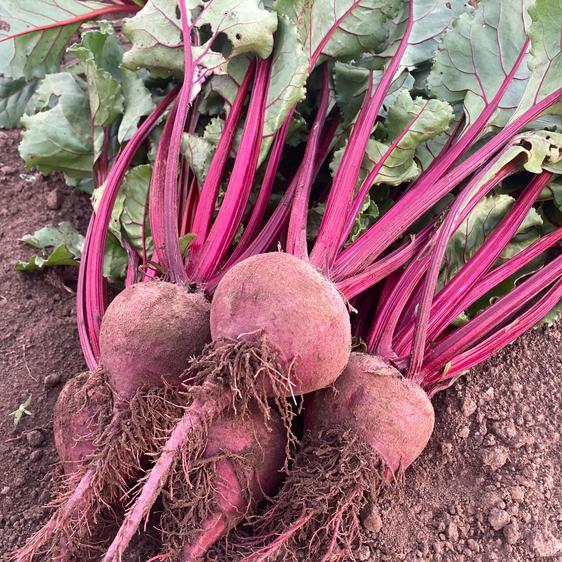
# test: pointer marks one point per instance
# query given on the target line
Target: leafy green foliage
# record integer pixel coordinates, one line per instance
(477, 54)
(38, 53)
(59, 138)
(61, 245)
(14, 100)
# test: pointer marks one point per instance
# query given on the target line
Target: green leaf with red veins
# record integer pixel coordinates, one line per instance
(546, 56)
(432, 18)
(157, 41)
(476, 56)
(339, 29)
(38, 53)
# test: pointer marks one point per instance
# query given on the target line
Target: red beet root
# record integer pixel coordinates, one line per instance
(361, 434)
(82, 410)
(279, 329)
(148, 334)
(211, 493)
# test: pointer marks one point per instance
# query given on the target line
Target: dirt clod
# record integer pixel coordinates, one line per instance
(495, 457)
(498, 519)
(54, 199)
(34, 438)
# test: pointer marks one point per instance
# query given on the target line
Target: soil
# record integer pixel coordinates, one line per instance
(487, 487)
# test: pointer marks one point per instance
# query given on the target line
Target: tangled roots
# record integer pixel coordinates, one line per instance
(316, 515)
(251, 372)
(87, 499)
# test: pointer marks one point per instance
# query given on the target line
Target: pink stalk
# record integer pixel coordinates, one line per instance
(392, 313)
(94, 14)
(260, 207)
(429, 189)
(270, 234)
(199, 411)
(296, 235)
(239, 186)
(505, 335)
(357, 284)
(132, 264)
(172, 250)
(156, 207)
(210, 188)
(370, 180)
(481, 326)
(473, 270)
(341, 195)
(92, 261)
(489, 281)
(382, 331)
(190, 205)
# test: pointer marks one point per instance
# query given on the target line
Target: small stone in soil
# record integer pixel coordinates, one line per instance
(469, 406)
(54, 200)
(495, 458)
(52, 380)
(371, 519)
(498, 519)
(34, 438)
(511, 533)
(5, 491)
(36, 455)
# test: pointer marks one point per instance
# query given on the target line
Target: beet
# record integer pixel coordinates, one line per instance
(279, 329)
(205, 498)
(82, 410)
(361, 434)
(298, 311)
(149, 332)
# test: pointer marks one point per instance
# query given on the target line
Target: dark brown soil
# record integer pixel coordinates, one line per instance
(487, 488)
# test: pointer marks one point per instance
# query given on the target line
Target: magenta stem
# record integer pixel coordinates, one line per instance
(296, 234)
(239, 186)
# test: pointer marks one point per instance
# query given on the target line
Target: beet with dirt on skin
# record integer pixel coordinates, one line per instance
(205, 498)
(82, 409)
(279, 329)
(360, 434)
(149, 332)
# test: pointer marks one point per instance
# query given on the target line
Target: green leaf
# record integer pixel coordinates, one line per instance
(477, 54)
(138, 103)
(546, 57)
(477, 227)
(14, 100)
(129, 208)
(340, 29)
(132, 200)
(350, 84)
(186, 241)
(115, 259)
(422, 120)
(198, 152)
(59, 137)
(65, 240)
(157, 42)
(289, 71)
(432, 18)
(553, 191)
(37, 53)
(101, 53)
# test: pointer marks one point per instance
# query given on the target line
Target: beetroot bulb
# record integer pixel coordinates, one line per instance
(360, 435)
(240, 461)
(280, 329)
(148, 333)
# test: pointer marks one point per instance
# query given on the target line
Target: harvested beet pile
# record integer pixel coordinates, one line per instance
(308, 222)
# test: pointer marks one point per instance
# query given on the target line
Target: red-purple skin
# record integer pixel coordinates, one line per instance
(240, 435)
(300, 312)
(393, 414)
(149, 332)
(75, 425)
